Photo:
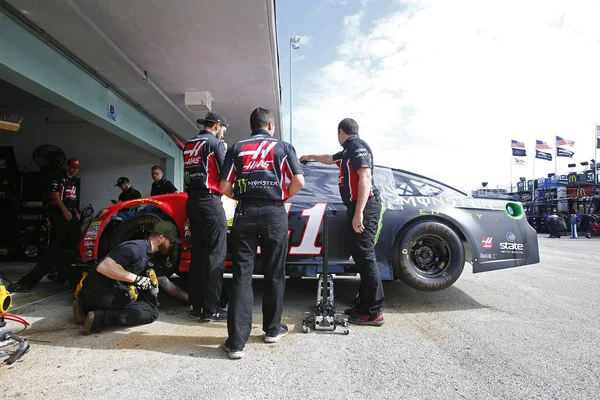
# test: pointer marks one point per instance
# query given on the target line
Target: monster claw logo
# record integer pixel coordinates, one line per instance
(242, 185)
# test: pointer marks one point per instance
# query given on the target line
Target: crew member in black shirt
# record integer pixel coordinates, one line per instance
(161, 185)
(105, 297)
(361, 198)
(255, 173)
(128, 192)
(65, 230)
(203, 159)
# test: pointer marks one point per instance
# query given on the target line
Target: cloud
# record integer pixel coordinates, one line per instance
(440, 88)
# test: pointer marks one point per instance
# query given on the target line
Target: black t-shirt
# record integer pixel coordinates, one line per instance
(66, 188)
(162, 187)
(132, 255)
(203, 157)
(356, 154)
(130, 194)
(258, 166)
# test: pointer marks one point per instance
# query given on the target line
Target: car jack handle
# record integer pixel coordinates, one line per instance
(324, 317)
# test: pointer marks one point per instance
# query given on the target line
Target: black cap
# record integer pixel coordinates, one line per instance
(212, 117)
(122, 180)
(168, 230)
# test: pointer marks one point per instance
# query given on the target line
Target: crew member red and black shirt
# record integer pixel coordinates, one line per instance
(203, 157)
(258, 166)
(66, 189)
(356, 155)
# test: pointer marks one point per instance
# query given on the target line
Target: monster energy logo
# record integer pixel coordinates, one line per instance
(242, 185)
(186, 177)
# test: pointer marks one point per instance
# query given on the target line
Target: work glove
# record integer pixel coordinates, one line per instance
(142, 283)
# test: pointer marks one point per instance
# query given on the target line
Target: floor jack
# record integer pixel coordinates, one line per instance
(324, 318)
(8, 340)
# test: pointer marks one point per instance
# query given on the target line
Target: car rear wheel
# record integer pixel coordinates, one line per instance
(429, 256)
(139, 227)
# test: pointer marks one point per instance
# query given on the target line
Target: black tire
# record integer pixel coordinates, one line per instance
(429, 256)
(139, 227)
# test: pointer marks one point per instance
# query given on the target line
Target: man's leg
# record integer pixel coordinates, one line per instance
(216, 243)
(371, 286)
(196, 274)
(58, 235)
(274, 247)
(239, 315)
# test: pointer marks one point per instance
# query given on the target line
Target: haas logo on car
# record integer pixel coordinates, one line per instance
(487, 242)
(258, 156)
(191, 154)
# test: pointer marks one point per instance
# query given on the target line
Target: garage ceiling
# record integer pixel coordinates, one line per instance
(225, 47)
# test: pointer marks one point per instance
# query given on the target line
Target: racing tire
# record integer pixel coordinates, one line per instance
(429, 256)
(139, 227)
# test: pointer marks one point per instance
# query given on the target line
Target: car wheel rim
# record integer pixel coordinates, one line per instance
(32, 251)
(430, 255)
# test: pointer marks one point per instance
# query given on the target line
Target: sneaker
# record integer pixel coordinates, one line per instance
(92, 322)
(219, 316)
(366, 319)
(274, 339)
(232, 353)
(354, 310)
(78, 313)
(17, 288)
(195, 313)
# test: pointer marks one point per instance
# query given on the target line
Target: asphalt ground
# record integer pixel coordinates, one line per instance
(527, 332)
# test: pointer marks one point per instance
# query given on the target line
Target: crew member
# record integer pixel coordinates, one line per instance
(203, 160)
(65, 231)
(107, 298)
(161, 185)
(254, 173)
(361, 198)
(128, 192)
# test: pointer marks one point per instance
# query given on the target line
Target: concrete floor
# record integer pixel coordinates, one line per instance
(527, 332)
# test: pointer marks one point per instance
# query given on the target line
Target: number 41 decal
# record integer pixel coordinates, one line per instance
(308, 242)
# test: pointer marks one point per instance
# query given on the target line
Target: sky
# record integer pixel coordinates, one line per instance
(441, 87)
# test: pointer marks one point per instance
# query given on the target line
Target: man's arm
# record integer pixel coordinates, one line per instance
(226, 188)
(322, 158)
(364, 189)
(296, 184)
(111, 269)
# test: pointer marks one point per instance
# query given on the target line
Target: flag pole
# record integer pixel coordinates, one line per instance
(511, 172)
(555, 159)
(533, 183)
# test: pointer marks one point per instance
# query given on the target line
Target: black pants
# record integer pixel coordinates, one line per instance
(266, 226)
(113, 307)
(209, 248)
(64, 238)
(363, 253)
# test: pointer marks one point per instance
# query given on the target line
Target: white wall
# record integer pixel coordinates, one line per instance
(104, 157)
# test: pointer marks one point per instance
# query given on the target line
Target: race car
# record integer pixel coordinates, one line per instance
(427, 230)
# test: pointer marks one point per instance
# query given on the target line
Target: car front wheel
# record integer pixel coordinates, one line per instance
(429, 256)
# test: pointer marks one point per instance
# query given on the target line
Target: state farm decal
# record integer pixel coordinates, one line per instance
(511, 246)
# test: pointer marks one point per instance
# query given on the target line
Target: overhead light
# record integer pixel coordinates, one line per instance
(295, 46)
(295, 39)
(198, 101)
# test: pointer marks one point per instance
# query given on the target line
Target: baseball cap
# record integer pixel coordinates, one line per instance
(212, 117)
(73, 163)
(122, 180)
(168, 230)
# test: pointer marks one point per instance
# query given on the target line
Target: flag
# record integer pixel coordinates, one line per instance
(543, 155)
(539, 145)
(563, 153)
(519, 152)
(514, 143)
(518, 161)
(598, 136)
(563, 142)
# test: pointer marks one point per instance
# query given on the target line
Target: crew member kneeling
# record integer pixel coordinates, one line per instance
(107, 295)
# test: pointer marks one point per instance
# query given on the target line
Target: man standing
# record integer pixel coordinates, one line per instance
(203, 159)
(361, 198)
(254, 173)
(161, 185)
(127, 191)
(65, 230)
(107, 295)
